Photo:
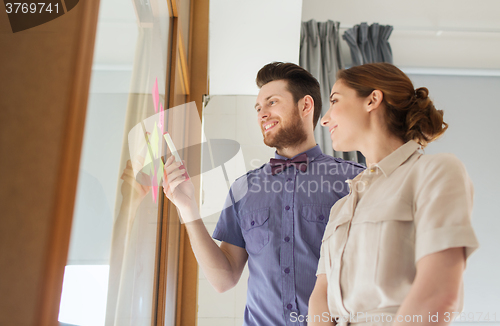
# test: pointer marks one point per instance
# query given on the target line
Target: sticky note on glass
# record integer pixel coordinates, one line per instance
(156, 95)
(161, 118)
(171, 146)
(173, 150)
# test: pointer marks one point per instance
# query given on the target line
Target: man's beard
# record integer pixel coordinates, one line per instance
(291, 135)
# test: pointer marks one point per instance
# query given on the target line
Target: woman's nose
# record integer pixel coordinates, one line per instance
(324, 120)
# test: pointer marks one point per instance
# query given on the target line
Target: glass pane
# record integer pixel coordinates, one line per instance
(110, 273)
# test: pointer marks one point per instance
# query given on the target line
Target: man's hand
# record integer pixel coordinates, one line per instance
(178, 189)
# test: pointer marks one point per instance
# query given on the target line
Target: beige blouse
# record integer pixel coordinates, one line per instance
(405, 207)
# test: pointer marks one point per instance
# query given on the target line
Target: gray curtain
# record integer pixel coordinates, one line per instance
(320, 55)
(369, 43)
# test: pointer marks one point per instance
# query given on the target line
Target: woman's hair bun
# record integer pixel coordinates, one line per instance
(424, 122)
(422, 93)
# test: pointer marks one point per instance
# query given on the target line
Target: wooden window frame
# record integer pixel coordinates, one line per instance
(172, 237)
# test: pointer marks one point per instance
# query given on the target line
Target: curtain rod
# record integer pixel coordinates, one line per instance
(451, 72)
(436, 30)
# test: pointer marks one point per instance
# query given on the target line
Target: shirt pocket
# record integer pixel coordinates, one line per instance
(255, 226)
(314, 218)
(385, 233)
(332, 240)
(386, 211)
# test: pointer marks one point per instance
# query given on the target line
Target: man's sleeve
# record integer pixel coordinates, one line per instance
(228, 227)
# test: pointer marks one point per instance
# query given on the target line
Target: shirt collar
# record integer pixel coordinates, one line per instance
(312, 153)
(392, 161)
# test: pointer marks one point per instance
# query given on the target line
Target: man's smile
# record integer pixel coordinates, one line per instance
(269, 125)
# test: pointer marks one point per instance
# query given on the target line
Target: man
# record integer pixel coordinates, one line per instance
(276, 214)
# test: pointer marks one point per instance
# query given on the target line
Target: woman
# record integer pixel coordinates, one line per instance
(395, 248)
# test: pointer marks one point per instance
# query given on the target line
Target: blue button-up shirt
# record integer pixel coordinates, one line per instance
(280, 221)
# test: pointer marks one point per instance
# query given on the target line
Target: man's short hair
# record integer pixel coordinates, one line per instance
(299, 82)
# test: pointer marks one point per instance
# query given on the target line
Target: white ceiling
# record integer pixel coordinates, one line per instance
(429, 35)
(453, 34)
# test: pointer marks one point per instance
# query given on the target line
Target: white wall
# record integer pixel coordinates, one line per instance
(472, 111)
(246, 35)
(229, 117)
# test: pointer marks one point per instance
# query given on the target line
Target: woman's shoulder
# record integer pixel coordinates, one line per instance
(440, 161)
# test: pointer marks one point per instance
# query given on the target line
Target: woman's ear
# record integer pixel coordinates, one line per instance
(375, 100)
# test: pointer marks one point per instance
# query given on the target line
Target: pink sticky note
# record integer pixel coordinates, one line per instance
(155, 193)
(156, 96)
(162, 117)
(154, 188)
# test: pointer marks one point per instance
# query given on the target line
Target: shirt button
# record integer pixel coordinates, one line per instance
(321, 217)
(287, 207)
(289, 179)
(252, 223)
(287, 270)
(289, 306)
(287, 239)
